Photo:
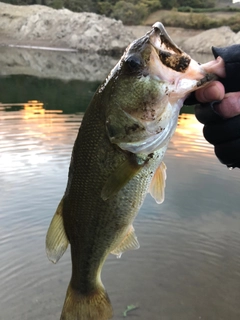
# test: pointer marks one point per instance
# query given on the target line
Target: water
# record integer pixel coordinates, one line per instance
(188, 266)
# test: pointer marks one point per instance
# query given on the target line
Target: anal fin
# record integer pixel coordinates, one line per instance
(129, 242)
(158, 183)
(56, 239)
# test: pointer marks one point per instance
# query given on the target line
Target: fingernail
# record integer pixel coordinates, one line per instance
(214, 105)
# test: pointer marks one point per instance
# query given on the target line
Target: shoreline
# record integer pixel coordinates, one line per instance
(63, 30)
(177, 34)
(39, 44)
(41, 48)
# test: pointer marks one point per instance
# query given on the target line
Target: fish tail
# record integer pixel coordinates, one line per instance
(93, 306)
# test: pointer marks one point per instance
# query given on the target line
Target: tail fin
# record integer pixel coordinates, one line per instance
(94, 306)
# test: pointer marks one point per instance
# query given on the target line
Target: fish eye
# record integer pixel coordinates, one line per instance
(134, 62)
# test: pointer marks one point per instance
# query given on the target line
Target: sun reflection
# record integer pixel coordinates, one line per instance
(189, 138)
(30, 108)
(187, 124)
(32, 136)
(34, 106)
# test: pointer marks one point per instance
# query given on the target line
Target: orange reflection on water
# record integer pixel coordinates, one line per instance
(189, 137)
(34, 107)
(30, 108)
(34, 135)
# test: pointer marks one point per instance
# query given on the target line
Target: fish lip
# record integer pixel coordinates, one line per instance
(158, 29)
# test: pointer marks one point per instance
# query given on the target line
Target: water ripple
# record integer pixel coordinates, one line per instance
(189, 261)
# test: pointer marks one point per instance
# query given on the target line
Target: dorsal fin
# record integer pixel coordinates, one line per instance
(157, 186)
(56, 239)
(129, 242)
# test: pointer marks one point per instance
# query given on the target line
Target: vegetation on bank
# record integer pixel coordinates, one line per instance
(193, 20)
(196, 14)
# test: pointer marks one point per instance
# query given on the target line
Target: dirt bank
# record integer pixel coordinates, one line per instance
(218, 37)
(41, 25)
(88, 32)
(179, 35)
(97, 40)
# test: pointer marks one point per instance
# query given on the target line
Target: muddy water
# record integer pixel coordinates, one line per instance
(188, 266)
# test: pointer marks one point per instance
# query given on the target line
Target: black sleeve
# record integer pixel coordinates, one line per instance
(224, 134)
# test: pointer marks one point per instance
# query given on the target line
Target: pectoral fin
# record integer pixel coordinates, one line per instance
(157, 187)
(129, 242)
(56, 239)
(121, 176)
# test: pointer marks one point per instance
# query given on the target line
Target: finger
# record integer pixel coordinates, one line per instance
(216, 66)
(206, 115)
(222, 132)
(229, 106)
(214, 91)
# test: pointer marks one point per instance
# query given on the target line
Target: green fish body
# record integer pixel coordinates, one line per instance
(116, 160)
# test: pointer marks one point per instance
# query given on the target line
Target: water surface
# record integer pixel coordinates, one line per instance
(188, 266)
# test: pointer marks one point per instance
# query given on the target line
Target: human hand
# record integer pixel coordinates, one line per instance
(230, 102)
(220, 114)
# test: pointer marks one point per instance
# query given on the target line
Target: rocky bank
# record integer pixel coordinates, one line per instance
(88, 32)
(44, 26)
(219, 37)
(96, 42)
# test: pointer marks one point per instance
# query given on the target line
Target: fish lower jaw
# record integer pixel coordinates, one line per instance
(186, 85)
(181, 88)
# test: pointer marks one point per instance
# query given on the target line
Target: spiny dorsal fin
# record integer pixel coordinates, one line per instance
(158, 183)
(129, 242)
(56, 239)
(121, 176)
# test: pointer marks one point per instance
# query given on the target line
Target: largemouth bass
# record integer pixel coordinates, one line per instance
(116, 160)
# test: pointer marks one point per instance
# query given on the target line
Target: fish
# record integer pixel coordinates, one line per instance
(117, 159)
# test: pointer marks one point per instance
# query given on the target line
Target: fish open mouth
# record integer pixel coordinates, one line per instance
(169, 53)
(175, 59)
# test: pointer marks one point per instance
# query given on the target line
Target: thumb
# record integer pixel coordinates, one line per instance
(229, 106)
(214, 91)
